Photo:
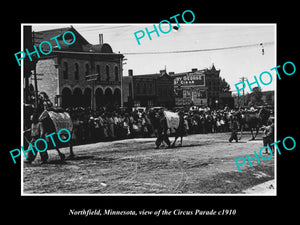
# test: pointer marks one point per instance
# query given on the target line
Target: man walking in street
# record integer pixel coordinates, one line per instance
(268, 137)
(162, 130)
(37, 131)
(233, 125)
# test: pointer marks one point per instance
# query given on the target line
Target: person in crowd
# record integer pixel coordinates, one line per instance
(111, 126)
(268, 137)
(234, 129)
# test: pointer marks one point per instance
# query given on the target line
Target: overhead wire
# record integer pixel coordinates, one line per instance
(197, 50)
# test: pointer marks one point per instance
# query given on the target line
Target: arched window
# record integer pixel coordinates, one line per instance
(65, 70)
(98, 72)
(130, 89)
(116, 73)
(107, 72)
(66, 97)
(87, 69)
(76, 73)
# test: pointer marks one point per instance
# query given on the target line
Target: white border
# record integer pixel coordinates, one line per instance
(134, 24)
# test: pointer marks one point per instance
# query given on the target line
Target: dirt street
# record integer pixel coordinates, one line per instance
(203, 165)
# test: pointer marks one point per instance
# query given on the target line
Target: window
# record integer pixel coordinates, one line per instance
(150, 87)
(76, 73)
(171, 92)
(107, 72)
(65, 70)
(130, 90)
(159, 90)
(87, 69)
(98, 71)
(116, 73)
(138, 88)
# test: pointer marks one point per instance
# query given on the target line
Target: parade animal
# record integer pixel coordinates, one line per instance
(253, 120)
(180, 131)
(53, 120)
(49, 123)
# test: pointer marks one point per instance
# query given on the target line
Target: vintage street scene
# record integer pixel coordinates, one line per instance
(162, 117)
(133, 166)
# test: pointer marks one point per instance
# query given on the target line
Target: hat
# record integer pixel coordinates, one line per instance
(252, 109)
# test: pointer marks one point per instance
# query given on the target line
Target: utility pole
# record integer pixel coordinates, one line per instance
(35, 78)
(92, 78)
(243, 80)
(121, 71)
(34, 61)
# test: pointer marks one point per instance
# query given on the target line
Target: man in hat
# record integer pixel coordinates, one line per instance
(233, 125)
(162, 130)
(36, 131)
(268, 137)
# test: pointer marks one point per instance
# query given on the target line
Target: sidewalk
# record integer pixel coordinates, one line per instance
(266, 188)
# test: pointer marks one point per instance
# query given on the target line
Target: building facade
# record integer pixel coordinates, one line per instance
(190, 88)
(127, 89)
(212, 78)
(80, 75)
(193, 88)
(268, 97)
(153, 90)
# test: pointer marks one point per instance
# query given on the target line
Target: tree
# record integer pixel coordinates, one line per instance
(224, 86)
(256, 96)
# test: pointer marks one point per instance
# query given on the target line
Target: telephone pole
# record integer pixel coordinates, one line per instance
(243, 80)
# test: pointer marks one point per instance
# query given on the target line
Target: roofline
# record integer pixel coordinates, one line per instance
(65, 28)
(90, 53)
(188, 72)
(53, 29)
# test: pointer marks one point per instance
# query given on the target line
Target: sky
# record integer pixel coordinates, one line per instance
(212, 43)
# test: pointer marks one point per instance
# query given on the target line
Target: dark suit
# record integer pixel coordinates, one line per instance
(162, 132)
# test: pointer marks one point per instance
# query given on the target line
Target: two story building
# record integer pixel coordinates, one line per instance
(153, 90)
(81, 74)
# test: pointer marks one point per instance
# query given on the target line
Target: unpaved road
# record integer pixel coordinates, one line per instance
(203, 165)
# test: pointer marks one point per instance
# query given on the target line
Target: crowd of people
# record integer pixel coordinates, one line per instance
(106, 125)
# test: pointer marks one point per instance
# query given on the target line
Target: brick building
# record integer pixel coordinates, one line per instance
(212, 77)
(127, 89)
(62, 74)
(268, 97)
(153, 90)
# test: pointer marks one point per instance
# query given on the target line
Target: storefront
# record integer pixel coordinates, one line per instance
(190, 88)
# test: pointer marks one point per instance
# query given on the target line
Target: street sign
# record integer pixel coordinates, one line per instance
(91, 77)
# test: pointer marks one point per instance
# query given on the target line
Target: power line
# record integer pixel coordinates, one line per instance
(100, 28)
(197, 50)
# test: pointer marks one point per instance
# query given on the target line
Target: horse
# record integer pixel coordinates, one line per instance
(253, 120)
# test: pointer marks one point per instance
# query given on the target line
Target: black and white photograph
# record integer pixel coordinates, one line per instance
(149, 109)
(163, 113)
